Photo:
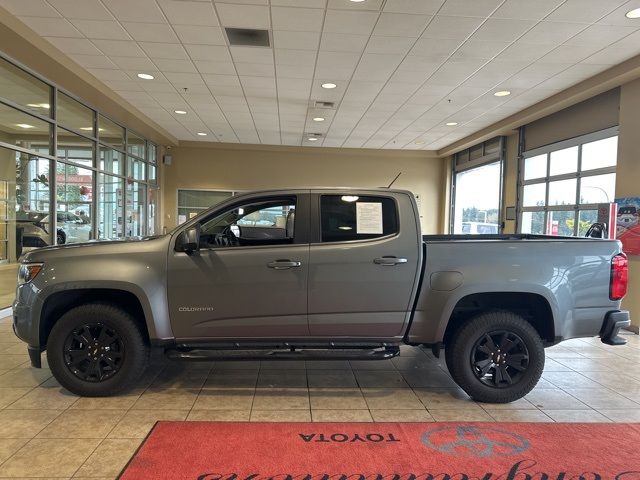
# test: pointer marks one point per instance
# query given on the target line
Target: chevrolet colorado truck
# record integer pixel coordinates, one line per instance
(317, 274)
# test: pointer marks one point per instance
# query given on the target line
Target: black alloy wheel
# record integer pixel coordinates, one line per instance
(94, 352)
(499, 358)
(496, 356)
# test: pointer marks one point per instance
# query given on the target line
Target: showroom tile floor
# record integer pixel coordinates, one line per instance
(46, 432)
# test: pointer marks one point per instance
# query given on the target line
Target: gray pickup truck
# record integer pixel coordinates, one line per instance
(317, 274)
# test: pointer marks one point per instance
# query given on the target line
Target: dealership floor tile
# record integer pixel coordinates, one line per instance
(583, 381)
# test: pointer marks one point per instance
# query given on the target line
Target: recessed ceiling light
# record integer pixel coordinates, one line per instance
(357, 1)
(180, 112)
(502, 93)
(419, 142)
(318, 119)
(145, 76)
(38, 105)
(24, 125)
(329, 85)
(312, 139)
(635, 13)
(202, 134)
(451, 124)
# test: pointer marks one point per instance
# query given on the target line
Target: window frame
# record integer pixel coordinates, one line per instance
(547, 150)
(461, 162)
(93, 136)
(300, 230)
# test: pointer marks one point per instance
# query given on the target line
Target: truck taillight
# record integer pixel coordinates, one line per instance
(619, 277)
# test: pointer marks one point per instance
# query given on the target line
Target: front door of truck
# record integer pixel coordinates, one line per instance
(364, 263)
(249, 277)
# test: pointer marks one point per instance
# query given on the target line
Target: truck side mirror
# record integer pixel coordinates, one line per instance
(189, 240)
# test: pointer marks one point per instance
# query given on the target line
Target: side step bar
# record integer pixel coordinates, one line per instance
(292, 354)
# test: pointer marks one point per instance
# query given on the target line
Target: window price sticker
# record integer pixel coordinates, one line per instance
(369, 218)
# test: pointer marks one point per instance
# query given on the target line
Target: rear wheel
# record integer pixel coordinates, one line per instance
(496, 357)
(96, 350)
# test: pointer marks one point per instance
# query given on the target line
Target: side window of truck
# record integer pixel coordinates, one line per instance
(353, 217)
(262, 222)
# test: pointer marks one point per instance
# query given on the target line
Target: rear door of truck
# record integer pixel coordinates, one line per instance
(364, 264)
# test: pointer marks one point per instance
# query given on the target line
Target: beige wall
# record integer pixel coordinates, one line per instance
(589, 116)
(236, 167)
(628, 179)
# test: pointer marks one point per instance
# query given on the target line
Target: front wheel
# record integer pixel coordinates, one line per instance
(497, 357)
(96, 350)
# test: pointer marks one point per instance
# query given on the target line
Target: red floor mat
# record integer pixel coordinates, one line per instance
(387, 451)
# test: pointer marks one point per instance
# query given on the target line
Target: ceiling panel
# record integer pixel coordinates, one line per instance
(402, 68)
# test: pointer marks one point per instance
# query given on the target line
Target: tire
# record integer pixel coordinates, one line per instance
(61, 238)
(118, 339)
(469, 354)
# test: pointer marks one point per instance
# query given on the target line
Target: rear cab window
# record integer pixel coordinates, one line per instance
(357, 217)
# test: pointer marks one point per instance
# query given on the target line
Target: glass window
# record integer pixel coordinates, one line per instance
(111, 160)
(192, 202)
(152, 208)
(18, 128)
(153, 153)
(563, 192)
(24, 89)
(560, 222)
(136, 145)
(533, 223)
(134, 209)
(595, 177)
(31, 202)
(586, 218)
(598, 188)
(152, 174)
(600, 154)
(135, 168)
(110, 132)
(110, 207)
(478, 211)
(352, 217)
(72, 114)
(265, 222)
(563, 161)
(535, 167)
(74, 194)
(75, 148)
(534, 195)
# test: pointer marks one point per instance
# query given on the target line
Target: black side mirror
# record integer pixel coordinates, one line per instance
(189, 240)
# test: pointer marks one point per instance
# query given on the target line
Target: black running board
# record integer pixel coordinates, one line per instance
(292, 354)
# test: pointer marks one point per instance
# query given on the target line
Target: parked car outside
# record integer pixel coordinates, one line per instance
(70, 229)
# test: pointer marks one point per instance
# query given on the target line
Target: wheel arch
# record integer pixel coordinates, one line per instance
(533, 307)
(59, 302)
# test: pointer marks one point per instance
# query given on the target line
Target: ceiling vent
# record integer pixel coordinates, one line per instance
(321, 104)
(248, 37)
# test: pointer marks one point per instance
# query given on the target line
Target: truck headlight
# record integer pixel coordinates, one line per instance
(28, 271)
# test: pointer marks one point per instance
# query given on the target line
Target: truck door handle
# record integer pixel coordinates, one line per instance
(389, 261)
(283, 264)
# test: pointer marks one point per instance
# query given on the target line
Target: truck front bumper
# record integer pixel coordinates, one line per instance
(611, 326)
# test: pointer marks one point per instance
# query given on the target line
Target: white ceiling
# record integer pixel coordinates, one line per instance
(403, 68)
